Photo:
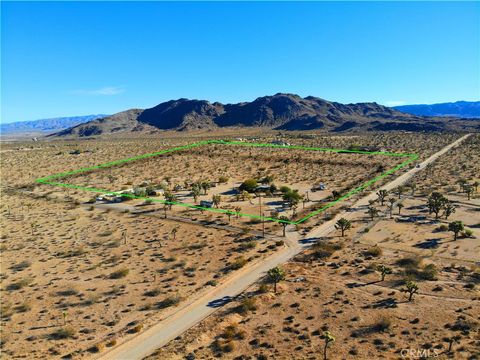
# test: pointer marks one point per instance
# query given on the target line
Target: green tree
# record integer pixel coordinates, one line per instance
(284, 223)
(205, 185)
(384, 270)
(335, 194)
(399, 190)
(196, 192)
(469, 191)
(462, 183)
(448, 209)
(328, 337)
(216, 199)
(412, 186)
(237, 211)
(64, 315)
(435, 203)
(249, 185)
(400, 206)
(372, 211)
(455, 227)
(343, 225)
(382, 194)
(451, 340)
(170, 198)
(475, 185)
(292, 197)
(276, 275)
(411, 288)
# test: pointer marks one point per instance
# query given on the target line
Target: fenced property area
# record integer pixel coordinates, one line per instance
(247, 146)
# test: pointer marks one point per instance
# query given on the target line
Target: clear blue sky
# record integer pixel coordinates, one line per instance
(68, 58)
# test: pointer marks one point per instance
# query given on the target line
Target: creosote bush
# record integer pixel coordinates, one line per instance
(118, 274)
(66, 332)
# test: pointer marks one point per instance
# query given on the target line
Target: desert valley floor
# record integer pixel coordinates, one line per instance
(83, 273)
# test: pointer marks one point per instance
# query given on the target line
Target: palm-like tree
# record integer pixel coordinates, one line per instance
(382, 194)
(391, 203)
(384, 270)
(455, 227)
(174, 233)
(284, 223)
(469, 191)
(276, 275)
(399, 191)
(216, 199)
(448, 209)
(328, 339)
(400, 206)
(237, 211)
(170, 198)
(411, 288)
(435, 203)
(196, 192)
(372, 211)
(343, 225)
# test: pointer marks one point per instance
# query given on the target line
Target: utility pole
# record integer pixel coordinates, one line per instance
(263, 225)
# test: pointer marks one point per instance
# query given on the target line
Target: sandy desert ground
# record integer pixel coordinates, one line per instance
(337, 287)
(78, 277)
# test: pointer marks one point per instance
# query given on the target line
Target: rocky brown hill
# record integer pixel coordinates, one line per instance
(280, 111)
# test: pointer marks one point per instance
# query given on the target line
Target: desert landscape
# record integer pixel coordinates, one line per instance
(239, 180)
(81, 275)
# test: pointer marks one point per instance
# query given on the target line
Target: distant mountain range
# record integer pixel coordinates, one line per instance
(465, 109)
(280, 112)
(46, 125)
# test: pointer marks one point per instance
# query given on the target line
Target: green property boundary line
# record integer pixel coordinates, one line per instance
(49, 180)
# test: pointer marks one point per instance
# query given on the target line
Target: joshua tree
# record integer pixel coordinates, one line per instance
(196, 192)
(237, 211)
(328, 339)
(399, 206)
(170, 198)
(462, 183)
(165, 208)
(124, 237)
(435, 203)
(468, 191)
(245, 195)
(276, 275)
(451, 340)
(413, 186)
(455, 227)
(335, 194)
(475, 185)
(343, 225)
(391, 203)
(399, 191)
(216, 199)
(382, 194)
(384, 270)
(64, 315)
(283, 223)
(411, 288)
(205, 185)
(448, 209)
(174, 233)
(372, 211)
